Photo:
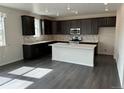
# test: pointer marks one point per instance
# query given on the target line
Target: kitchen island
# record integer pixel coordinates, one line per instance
(82, 54)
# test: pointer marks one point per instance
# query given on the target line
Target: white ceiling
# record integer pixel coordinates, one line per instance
(61, 8)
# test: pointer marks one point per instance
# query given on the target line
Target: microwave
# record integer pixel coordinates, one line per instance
(74, 30)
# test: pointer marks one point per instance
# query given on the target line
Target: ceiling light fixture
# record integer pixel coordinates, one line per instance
(76, 12)
(68, 7)
(105, 3)
(106, 9)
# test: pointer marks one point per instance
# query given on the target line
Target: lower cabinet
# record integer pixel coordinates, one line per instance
(39, 50)
(36, 50)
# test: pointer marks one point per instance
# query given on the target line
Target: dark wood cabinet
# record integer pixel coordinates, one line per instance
(75, 23)
(42, 49)
(94, 26)
(65, 27)
(61, 27)
(36, 50)
(30, 51)
(111, 21)
(54, 27)
(88, 26)
(85, 26)
(107, 21)
(46, 26)
(72, 23)
(28, 27)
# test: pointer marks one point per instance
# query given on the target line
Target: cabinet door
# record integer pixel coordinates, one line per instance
(28, 25)
(27, 52)
(86, 26)
(94, 26)
(54, 27)
(102, 22)
(35, 51)
(65, 27)
(83, 27)
(111, 21)
(47, 27)
(73, 23)
(78, 23)
(59, 28)
(62, 27)
(106, 21)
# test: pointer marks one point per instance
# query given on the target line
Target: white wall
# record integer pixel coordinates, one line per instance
(13, 50)
(119, 44)
(106, 40)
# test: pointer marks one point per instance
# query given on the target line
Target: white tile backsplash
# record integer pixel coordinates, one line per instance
(90, 38)
(85, 38)
(30, 39)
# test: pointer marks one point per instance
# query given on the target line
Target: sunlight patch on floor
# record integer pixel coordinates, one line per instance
(21, 70)
(4, 80)
(38, 73)
(16, 84)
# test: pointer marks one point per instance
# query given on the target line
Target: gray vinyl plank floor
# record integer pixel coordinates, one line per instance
(69, 76)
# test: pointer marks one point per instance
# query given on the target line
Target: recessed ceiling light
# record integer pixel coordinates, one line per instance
(105, 3)
(106, 9)
(76, 12)
(68, 7)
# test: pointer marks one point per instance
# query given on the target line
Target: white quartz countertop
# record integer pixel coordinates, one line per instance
(32, 43)
(68, 45)
(38, 42)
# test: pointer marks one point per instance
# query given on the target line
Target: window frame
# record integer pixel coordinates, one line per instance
(3, 30)
(37, 27)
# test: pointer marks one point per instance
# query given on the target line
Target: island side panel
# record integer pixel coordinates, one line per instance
(73, 55)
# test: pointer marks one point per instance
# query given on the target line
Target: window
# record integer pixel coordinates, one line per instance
(2, 29)
(37, 28)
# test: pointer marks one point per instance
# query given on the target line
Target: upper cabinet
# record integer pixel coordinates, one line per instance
(107, 22)
(65, 27)
(85, 26)
(88, 26)
(94, 26)
(46, 26)
(54, 27)
(28, 25)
